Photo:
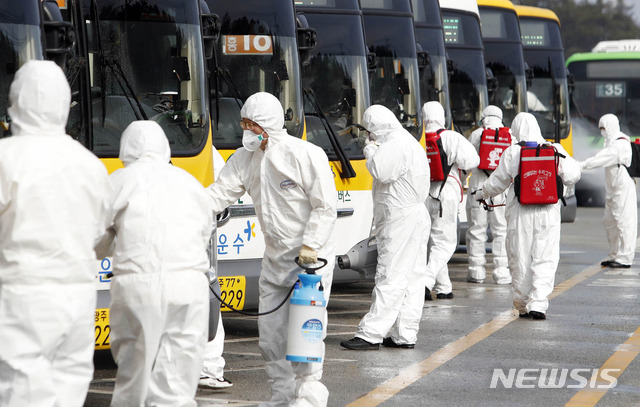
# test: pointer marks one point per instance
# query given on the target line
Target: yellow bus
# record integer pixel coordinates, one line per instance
(503, 56)
(154, 71)
(256, 52)
(395, 81)
(468, 81)
(434, 78)
(20, 41)
(335, 82)
(548, 94)
(266, 47)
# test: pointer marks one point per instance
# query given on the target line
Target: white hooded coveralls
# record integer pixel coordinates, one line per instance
(53, 198)
(212, 361)
(400, 171)
(479, 218)
(620, 209)
(293, 190)
(461, 155)
(533, 231)
(161, 220)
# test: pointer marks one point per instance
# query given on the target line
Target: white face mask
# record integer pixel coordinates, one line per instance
(250, 140)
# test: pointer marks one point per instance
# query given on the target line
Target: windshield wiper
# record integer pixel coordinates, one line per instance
(118, 74)
(346, 170)
(120, 77)
(226, 77)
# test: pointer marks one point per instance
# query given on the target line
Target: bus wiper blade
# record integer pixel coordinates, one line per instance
(96, 16)
(74, 66)
(346, 170)
(120, 77)
(226, 77)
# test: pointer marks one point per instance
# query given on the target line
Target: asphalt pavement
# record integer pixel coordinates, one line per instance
(472, 350)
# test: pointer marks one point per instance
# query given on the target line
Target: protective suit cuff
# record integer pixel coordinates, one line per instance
(369, 150)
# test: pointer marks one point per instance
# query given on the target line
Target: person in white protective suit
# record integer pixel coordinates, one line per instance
(620, 209)
(293, 190)
(53, 198)
(212, 373)
(533, 231)
(479, 218)
(158, 231)
(443, 203)
(400, 171)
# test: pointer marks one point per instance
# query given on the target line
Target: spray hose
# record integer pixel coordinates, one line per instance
(487, 206)
(308, 270)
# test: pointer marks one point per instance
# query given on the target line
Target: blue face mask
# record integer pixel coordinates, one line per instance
(250, 140)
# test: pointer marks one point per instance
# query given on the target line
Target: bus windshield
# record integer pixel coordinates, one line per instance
(337, 75)
(257, 52)
(395, 83)
(506, 63)
(609, 86)
(145, 62)
(20, 41)
(426, 12)
(549, 77)
(434, 83)
(548, 91)
(468, 83)
(503, 55)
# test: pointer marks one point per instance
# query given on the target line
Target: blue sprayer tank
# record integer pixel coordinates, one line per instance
(307, 324)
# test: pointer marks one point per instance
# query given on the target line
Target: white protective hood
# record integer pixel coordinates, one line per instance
(39, 99)
(144, 139)
(380, 122)
(611, 126)
(492, 117)
(525, 128)
(433, 114)
(266, 110)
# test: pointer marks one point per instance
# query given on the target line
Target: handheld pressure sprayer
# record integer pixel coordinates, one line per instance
(307, 322)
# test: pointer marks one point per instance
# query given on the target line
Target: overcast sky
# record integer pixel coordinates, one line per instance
(634, 3)
(636, 9)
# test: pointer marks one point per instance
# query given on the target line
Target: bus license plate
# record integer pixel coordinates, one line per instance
(232, 291)
(102, 328)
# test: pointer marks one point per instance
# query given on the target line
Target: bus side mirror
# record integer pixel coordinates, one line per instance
(60, 36)
(210, 32)
(372, 62)
(307, 39)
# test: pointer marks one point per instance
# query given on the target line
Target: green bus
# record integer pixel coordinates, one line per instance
(606, 80)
